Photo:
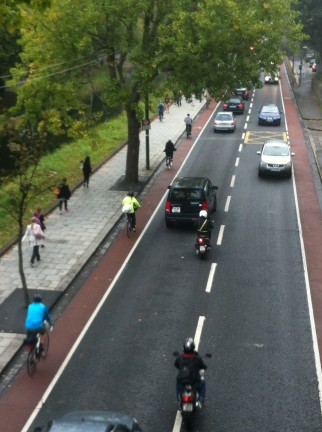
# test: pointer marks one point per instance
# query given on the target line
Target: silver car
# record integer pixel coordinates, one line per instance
(225, 121)
(276, 158)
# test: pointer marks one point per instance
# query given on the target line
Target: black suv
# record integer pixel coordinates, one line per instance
(186, 197)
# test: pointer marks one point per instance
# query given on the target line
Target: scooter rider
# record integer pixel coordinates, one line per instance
(203, 224)
(190, 363)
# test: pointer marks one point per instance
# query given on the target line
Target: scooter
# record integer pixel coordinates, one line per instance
(202, 245)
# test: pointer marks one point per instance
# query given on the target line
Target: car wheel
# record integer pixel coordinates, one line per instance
(168, 224)
(215, 130)
(214, 208)
(260, 174)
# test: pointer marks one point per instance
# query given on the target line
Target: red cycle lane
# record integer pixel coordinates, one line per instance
(309, 207)
(22, 397)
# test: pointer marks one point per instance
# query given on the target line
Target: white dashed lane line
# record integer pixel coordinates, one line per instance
(211, 277)
(227, 203)
(220, 235)
(233, 178)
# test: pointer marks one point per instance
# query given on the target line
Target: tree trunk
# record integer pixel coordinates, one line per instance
(132, 158)
(20, 264)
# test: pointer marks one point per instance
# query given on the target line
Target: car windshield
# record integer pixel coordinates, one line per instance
(224, 117)
(275, 151)
(185, 194)
(271, 109)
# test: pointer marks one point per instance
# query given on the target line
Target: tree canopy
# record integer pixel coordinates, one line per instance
(141, 46)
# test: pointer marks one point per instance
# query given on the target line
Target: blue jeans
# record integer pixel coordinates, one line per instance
(200, 387)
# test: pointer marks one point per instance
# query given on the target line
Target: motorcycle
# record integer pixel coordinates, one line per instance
(189, 402)
(202, 245)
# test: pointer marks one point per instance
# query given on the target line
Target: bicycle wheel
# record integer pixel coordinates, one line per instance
(31, 361)
(45, 345)
(129, 227)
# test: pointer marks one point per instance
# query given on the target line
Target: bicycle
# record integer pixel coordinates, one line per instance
(168, 162)
(188, 130)
(129, 224)
(36, 352)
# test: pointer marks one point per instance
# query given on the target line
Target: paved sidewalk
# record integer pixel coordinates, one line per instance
(73, 237)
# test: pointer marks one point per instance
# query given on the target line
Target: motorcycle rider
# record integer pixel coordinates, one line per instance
(190, 361)
(188, 122)
(169, 149)
(204, 225)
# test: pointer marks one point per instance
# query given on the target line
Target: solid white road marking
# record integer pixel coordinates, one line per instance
(233, 178)
(211, 277)
(227, 203)
(220, 235)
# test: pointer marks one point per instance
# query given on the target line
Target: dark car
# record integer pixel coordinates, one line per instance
(269, 115)
(242, 92)
(235, 104)
(96, 421)
(186, 197)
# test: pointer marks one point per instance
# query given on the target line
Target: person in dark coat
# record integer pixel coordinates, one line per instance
(87, 170)
(64, 195)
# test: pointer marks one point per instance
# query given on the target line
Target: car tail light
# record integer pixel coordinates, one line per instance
(225, 105)
(168, 207)
(240, 105)
(246, 92)
(204, 205)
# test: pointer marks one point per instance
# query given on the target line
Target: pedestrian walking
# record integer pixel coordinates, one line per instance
(40, 218)
(179, 98)
(63, 195)
(35, 236)
(167, 104)
(161, 111)
(87, 170)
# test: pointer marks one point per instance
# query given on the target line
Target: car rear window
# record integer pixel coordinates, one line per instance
(223, 117)
(186, 194)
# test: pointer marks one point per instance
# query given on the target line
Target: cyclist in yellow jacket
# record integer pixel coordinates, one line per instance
(132, 204)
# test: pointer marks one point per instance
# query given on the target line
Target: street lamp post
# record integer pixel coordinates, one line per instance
(147, 137)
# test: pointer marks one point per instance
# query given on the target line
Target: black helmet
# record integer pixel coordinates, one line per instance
(131, 194)
(37, 298)
(189, 346)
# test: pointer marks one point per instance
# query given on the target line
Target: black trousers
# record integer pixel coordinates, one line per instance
(35, 254)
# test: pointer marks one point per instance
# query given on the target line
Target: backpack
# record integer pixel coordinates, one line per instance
(36, 230)
(187, 375)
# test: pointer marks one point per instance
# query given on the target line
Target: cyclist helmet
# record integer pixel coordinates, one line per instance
(189, 346)
(203, 213)
(37, 298)
(131, 194)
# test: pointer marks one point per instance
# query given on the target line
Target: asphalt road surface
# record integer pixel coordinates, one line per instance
(246, 302)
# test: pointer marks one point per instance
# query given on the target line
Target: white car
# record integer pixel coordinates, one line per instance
(225, 121)
(276, 158)
(271, 79)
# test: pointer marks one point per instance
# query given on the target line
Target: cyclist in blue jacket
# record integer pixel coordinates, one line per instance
(36, 315)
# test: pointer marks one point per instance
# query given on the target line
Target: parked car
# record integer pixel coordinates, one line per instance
(186, 197)
(269, 115)
(314, 67)
(271, 79)
(235, 104)
(242, 92)
(225, 121)
(276, 158)
(95, 421)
